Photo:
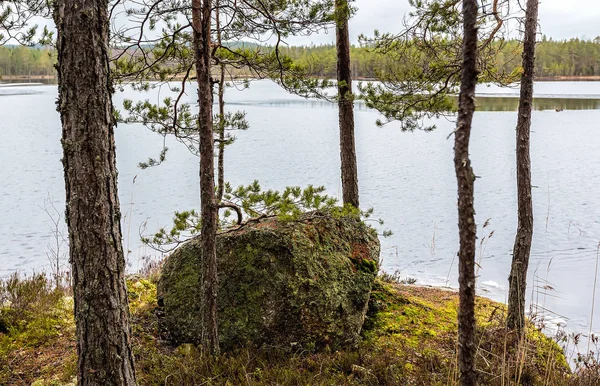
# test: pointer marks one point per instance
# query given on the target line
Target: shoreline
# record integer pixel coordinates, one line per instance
(590, 78)
(4, 78)
(54, 78)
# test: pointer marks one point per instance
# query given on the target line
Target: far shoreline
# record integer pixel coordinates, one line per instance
(54, 78)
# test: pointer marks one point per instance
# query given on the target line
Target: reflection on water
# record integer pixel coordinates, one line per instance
(484, 103)
(16, 90)
(22, 87)
(512, 104)
(29, 82)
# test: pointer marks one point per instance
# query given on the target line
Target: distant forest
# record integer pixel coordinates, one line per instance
(567, 58)
(26, 61)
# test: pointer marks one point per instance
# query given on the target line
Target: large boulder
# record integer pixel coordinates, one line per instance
(301, 284)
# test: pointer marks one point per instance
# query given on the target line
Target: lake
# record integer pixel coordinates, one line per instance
(408, 178)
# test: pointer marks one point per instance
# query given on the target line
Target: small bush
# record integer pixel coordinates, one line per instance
(396, 277)
(587, 366)
(23, 299)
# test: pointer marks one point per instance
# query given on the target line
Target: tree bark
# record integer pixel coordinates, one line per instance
(346, 106)
(221, 154)
(92, 204)
(466, 211)
(520, 261)
(201, 22)
(221, 94)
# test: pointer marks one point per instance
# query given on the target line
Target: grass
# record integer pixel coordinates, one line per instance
(409, 338)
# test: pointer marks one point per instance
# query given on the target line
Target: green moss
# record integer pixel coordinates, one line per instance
(141, 294)
(369, 266)
(419, 325)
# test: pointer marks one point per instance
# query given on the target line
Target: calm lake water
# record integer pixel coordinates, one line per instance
(407, 177)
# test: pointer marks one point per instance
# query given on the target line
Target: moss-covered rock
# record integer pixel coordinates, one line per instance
(294, 284)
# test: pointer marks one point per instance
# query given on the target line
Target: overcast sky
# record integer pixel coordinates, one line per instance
(559, 19)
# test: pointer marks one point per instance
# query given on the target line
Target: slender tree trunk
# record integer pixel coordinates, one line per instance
(520, 261)
(466, 211)
(221, 93)
(346, 106)
(201, 21)
(221, 155)
(92, 212)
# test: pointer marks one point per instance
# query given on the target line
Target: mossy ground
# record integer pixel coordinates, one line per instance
(419, 325)
(37, 332)
(409, 339)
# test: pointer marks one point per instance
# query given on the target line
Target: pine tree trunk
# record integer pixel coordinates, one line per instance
(221, 94)
(92, 204)
(346, 106)
(520, 261)
(466, 211)
(221, 155)
(201, 22)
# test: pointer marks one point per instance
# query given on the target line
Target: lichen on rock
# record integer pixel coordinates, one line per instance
(301, 284)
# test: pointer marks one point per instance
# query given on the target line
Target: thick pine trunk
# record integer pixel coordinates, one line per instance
(92, 212)
(466, 211)
(346, 106)
(201, 21)
(520, 261)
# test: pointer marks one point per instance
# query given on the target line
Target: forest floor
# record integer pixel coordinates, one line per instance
(409, 338)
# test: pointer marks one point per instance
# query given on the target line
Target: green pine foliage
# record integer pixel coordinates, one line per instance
(253, 202)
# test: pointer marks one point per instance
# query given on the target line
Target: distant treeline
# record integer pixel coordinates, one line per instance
(19, 61)
(566, 58)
